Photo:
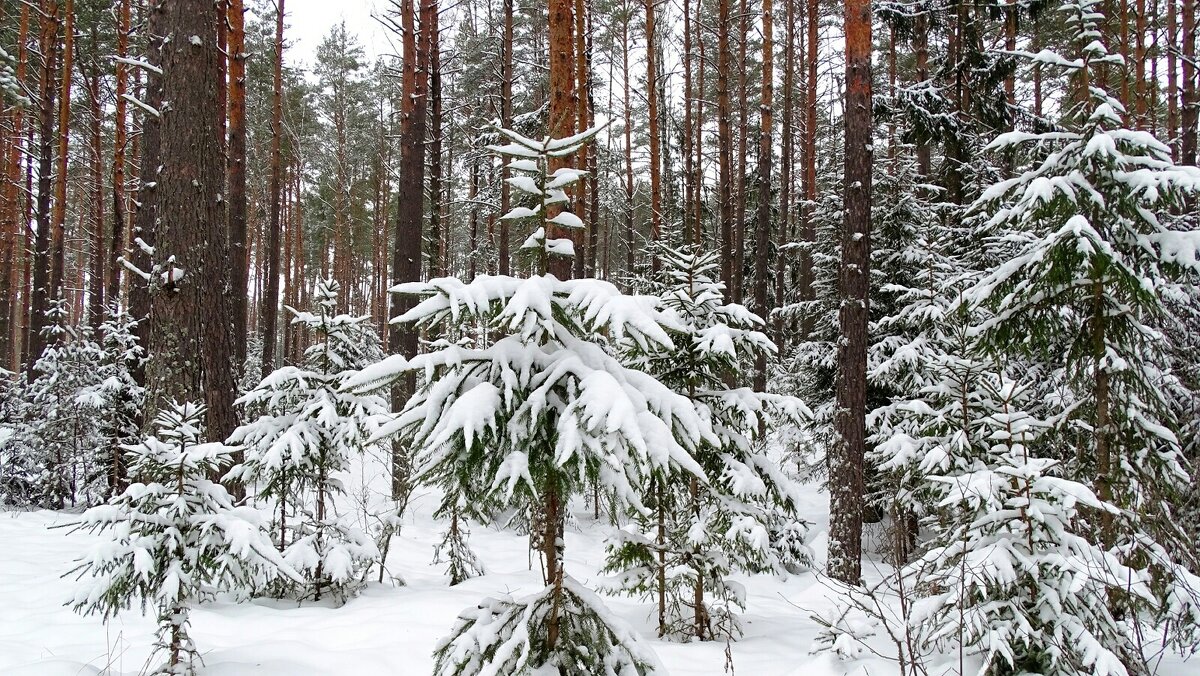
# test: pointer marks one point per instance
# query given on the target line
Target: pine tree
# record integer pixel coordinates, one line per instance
(62, 415)
(120, 397)
(1014, 572)
(10, 87)
(917, 338)
(66, 427)
(175, 537)
(1096, 262)
(537, 416)
(18, 470)
(307, 433)
(1048, 493)
(745, 518)
(461, 561)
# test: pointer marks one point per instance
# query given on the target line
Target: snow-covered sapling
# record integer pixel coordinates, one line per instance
(1010, 574)
(118, 393)
(298, 448)
(461, 561)
(745, 518)
(62, 415)
(1099, 266)
(174, 537)
(535, 417)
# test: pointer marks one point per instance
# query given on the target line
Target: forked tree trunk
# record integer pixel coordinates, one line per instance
(406, 256)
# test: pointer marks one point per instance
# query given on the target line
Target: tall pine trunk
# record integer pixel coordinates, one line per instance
(655, 141)
(691, 228)
(41, 292)
(439, 237)
(191, 348)
(144, 233)
(120, 141)
(628, 110)
(270, 300)
(236, 169)
(787, 173)
(1173, 78)
(1188, 113)
(406, 256)
(808, 149)
(563, 119)
(506, 113)
(846, 456)
(59, 211)
(99, 260)
(13, 296)
(762, 235)
(725, 147)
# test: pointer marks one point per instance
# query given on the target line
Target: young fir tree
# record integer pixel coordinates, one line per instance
(11, 90)
(811, 363)
(1085, 304)
(461, 562)
(745, 518)
(66, 428)
(536, 416)
(175, 537)
(1015, 573)
(308, 432)
(919, 269)
(62, 416)
(119, 396)
(18, 471)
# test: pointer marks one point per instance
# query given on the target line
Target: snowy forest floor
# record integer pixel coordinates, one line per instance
(392, 629)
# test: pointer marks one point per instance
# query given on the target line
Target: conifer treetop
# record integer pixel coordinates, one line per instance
(531, 158)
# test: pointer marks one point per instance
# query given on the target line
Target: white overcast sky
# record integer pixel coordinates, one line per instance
(308, 21)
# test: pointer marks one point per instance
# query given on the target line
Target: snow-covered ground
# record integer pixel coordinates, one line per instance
(388, 629)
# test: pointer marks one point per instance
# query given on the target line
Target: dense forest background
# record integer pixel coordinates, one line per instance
(963, 233)
(945, 76)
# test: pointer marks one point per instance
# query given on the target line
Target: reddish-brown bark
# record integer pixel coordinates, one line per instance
(236, 170)
(846, 454)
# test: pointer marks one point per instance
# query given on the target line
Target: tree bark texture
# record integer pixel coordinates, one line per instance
(191, 347)
(846, 457)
